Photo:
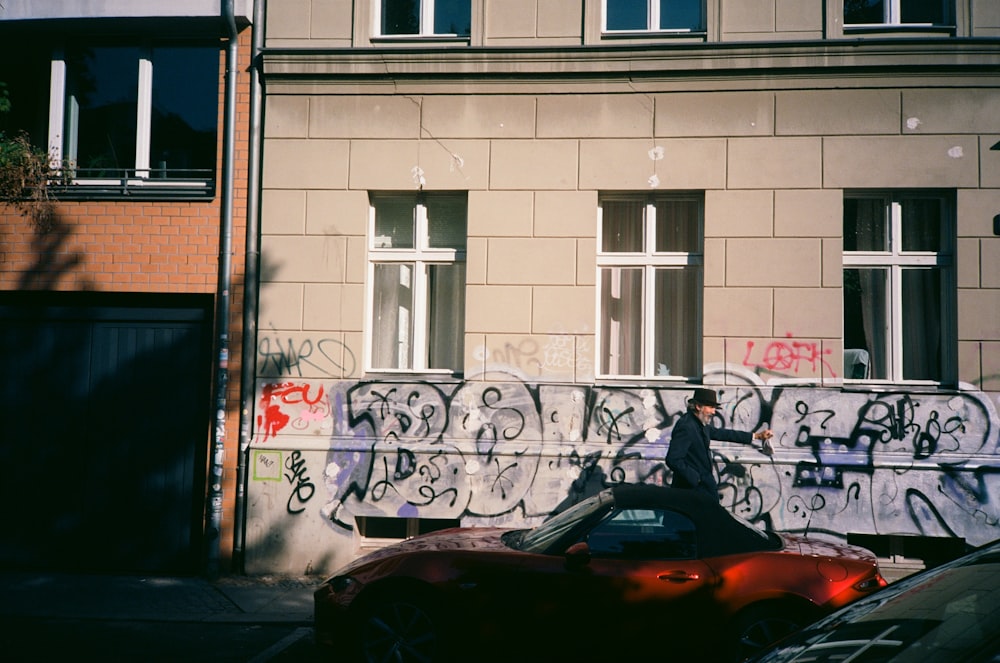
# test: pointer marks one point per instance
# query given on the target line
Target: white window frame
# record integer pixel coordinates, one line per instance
(892, 12)
(652, 21)
(895, 261)
(422, 255)
(649, 260)
(424, 31)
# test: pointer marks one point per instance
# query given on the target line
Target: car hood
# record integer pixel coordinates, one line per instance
(458, 539)
(816, 548)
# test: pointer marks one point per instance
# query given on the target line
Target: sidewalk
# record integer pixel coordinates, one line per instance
(155, 598)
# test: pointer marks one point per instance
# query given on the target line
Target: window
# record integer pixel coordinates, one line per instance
(899, 292)
(654, 15)
(417, 281)
(649, 265)
(898, 12)
(644, 534)
(448, 18)
(144, 115)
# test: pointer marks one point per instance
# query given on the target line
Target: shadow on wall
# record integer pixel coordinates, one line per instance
(106, 407)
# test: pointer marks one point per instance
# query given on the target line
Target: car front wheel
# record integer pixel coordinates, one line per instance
(400, 630)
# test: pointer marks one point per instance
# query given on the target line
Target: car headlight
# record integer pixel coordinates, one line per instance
(341, 583)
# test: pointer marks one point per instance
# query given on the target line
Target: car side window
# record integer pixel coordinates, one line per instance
(644, 534)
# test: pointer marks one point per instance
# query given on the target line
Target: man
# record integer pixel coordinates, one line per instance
(689, 457)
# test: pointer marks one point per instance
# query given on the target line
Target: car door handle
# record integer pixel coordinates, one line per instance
(678, 576)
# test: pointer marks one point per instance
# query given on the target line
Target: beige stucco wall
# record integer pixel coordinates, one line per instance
(535, 163)
(771, 152)
(518, 23)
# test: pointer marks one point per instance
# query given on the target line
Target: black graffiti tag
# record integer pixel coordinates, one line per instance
(302, 486)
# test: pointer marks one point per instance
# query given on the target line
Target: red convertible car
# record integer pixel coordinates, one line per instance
(634, 572)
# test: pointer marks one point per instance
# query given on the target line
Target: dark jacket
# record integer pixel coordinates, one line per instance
(689, 457)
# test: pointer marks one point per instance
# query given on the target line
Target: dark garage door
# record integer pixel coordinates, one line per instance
(105, 428)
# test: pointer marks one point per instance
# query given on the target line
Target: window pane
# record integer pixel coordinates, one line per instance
(446, 318)
(24, 68)
(922, 316)
(453, 17)
(922, 225)
(621, 321)
(627, 15)
(681, 15)
(185, 111)
(446, 222)
(394, 224)
(923, 11)
(677, 226)
(866, 225)
(864, 11)
(400, 17)
(392, 320)
(622, 226)
(866, 323)
(676, 348)
(101, 102)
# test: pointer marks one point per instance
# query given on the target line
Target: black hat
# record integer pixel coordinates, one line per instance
(705, 397)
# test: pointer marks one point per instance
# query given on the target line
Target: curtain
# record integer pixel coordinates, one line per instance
(446, 315)
(391, 316)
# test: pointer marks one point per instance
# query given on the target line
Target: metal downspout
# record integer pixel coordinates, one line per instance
(251, 287)
(213, 526)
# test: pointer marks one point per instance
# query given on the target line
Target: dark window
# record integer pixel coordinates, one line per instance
(644, 534)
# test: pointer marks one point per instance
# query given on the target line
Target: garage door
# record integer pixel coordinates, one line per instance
(105, 429)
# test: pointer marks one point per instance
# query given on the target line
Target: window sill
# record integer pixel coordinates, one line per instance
(686, 36)
(910, 387)
(902, 29)
(421, 39)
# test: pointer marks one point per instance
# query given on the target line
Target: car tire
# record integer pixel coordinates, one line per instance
(762, 625)
(400, 629)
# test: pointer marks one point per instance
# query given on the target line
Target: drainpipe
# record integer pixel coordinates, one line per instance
(213, 525)
(251, 288)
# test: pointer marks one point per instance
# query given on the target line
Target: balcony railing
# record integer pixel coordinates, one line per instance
(148, 184)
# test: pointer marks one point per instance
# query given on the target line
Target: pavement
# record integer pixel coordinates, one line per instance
(233, 599)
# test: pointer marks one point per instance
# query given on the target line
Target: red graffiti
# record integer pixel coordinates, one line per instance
(272, 418)
(789, 356)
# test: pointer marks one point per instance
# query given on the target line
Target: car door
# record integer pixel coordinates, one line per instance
(632, 581)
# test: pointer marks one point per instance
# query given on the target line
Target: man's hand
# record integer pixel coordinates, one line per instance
(764, 436)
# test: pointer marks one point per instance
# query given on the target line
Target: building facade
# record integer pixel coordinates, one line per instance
(502, 241)
(121, 287)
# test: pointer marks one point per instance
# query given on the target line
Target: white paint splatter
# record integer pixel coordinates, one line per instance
(654, 182)
(956, 152)
(472, 467)
(418, 176)
(656, 154)
(913, 122)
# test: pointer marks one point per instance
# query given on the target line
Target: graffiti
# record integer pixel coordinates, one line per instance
(324, 357)
(790, 357)
(499, 452)
(302, 487)
(272, 418)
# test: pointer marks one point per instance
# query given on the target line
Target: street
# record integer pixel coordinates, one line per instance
(35, 639)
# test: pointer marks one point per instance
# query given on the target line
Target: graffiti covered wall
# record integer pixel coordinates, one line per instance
(504, 451)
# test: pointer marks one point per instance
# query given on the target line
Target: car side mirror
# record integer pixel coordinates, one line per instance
(578, 554)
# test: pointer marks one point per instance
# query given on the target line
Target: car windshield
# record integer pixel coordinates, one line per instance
(950, 616)
(541, 538)
(753, 528)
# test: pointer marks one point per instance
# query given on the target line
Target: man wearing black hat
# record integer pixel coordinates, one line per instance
(689, 457)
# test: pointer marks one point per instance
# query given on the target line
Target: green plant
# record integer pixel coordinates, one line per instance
(24, 174)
